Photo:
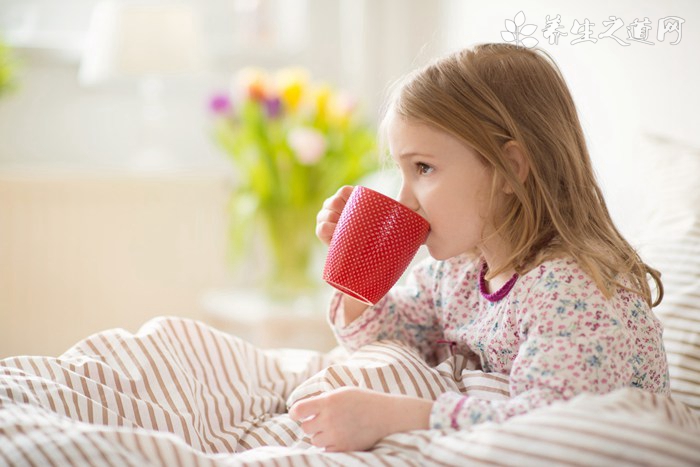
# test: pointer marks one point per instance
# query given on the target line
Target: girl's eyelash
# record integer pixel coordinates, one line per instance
(423, 168)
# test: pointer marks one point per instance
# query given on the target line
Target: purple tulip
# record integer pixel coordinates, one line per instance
(220, 104)
(273, 107)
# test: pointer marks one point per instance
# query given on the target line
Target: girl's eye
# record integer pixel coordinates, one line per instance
(423, 169)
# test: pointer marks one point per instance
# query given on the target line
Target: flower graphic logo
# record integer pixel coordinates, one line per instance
(519, 32)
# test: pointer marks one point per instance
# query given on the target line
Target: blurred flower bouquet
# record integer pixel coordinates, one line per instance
(293, 144)
(7, 70)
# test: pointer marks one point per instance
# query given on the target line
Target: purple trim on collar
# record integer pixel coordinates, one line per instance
(500, 293)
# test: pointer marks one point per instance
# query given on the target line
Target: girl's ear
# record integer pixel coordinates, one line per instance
(515, 157)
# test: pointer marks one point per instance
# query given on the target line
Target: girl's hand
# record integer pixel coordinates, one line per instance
(353, 419)
(328, 216)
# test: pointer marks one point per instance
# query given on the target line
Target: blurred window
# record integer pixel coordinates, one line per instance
(231, 27)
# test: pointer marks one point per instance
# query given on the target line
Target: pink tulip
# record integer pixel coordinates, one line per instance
(308, 144)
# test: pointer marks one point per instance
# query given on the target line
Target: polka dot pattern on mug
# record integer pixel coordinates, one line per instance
(374, 242)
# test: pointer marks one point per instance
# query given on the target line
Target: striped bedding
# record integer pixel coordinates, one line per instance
(181, 393)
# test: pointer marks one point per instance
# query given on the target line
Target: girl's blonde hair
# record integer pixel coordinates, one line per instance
(493, 94)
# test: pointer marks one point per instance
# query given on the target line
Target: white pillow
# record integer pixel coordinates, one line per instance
(671, 244)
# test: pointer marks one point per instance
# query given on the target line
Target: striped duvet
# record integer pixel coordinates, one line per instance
(181, 393)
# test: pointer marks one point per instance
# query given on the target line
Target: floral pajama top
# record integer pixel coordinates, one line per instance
(553, 333)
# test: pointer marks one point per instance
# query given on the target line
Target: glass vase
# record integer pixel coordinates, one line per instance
(291, 246)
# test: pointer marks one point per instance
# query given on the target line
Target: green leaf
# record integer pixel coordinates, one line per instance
(8, 65)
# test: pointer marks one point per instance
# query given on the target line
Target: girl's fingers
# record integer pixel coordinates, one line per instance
(324, 215)
(303, 409)
(324, 231)
(311, 427)
(321, 440)
(345, 191)
(334, 204)
(338, 201)
(328, 217)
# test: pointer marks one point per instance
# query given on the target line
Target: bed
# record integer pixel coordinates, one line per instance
(180, 392)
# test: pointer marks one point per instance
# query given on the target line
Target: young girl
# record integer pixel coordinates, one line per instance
(527, 272)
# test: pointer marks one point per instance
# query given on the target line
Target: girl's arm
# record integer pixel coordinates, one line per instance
(407, 313)
(351, 310)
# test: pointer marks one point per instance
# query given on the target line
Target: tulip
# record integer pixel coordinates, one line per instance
(341, 107)
(321, 97)
(291, 84)
(220, 104)
(308, 144)
(273, 107)
(252, 83)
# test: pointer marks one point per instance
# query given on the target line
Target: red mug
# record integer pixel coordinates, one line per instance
(375, 240)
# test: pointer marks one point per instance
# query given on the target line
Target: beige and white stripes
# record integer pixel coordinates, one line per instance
(181, 393)
(388, 366)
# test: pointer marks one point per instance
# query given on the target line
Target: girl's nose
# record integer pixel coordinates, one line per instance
(407, 199)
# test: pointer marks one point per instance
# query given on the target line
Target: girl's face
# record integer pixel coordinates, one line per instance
(445, 182)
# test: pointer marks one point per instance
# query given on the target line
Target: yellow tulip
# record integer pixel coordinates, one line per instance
(320, 97)
(292, 84)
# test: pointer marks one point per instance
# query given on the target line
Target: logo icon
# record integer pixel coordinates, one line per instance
(519, 32)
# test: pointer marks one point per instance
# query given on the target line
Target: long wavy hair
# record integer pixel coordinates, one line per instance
(492, 94)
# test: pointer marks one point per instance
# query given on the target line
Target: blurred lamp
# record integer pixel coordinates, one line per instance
(147, 43)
